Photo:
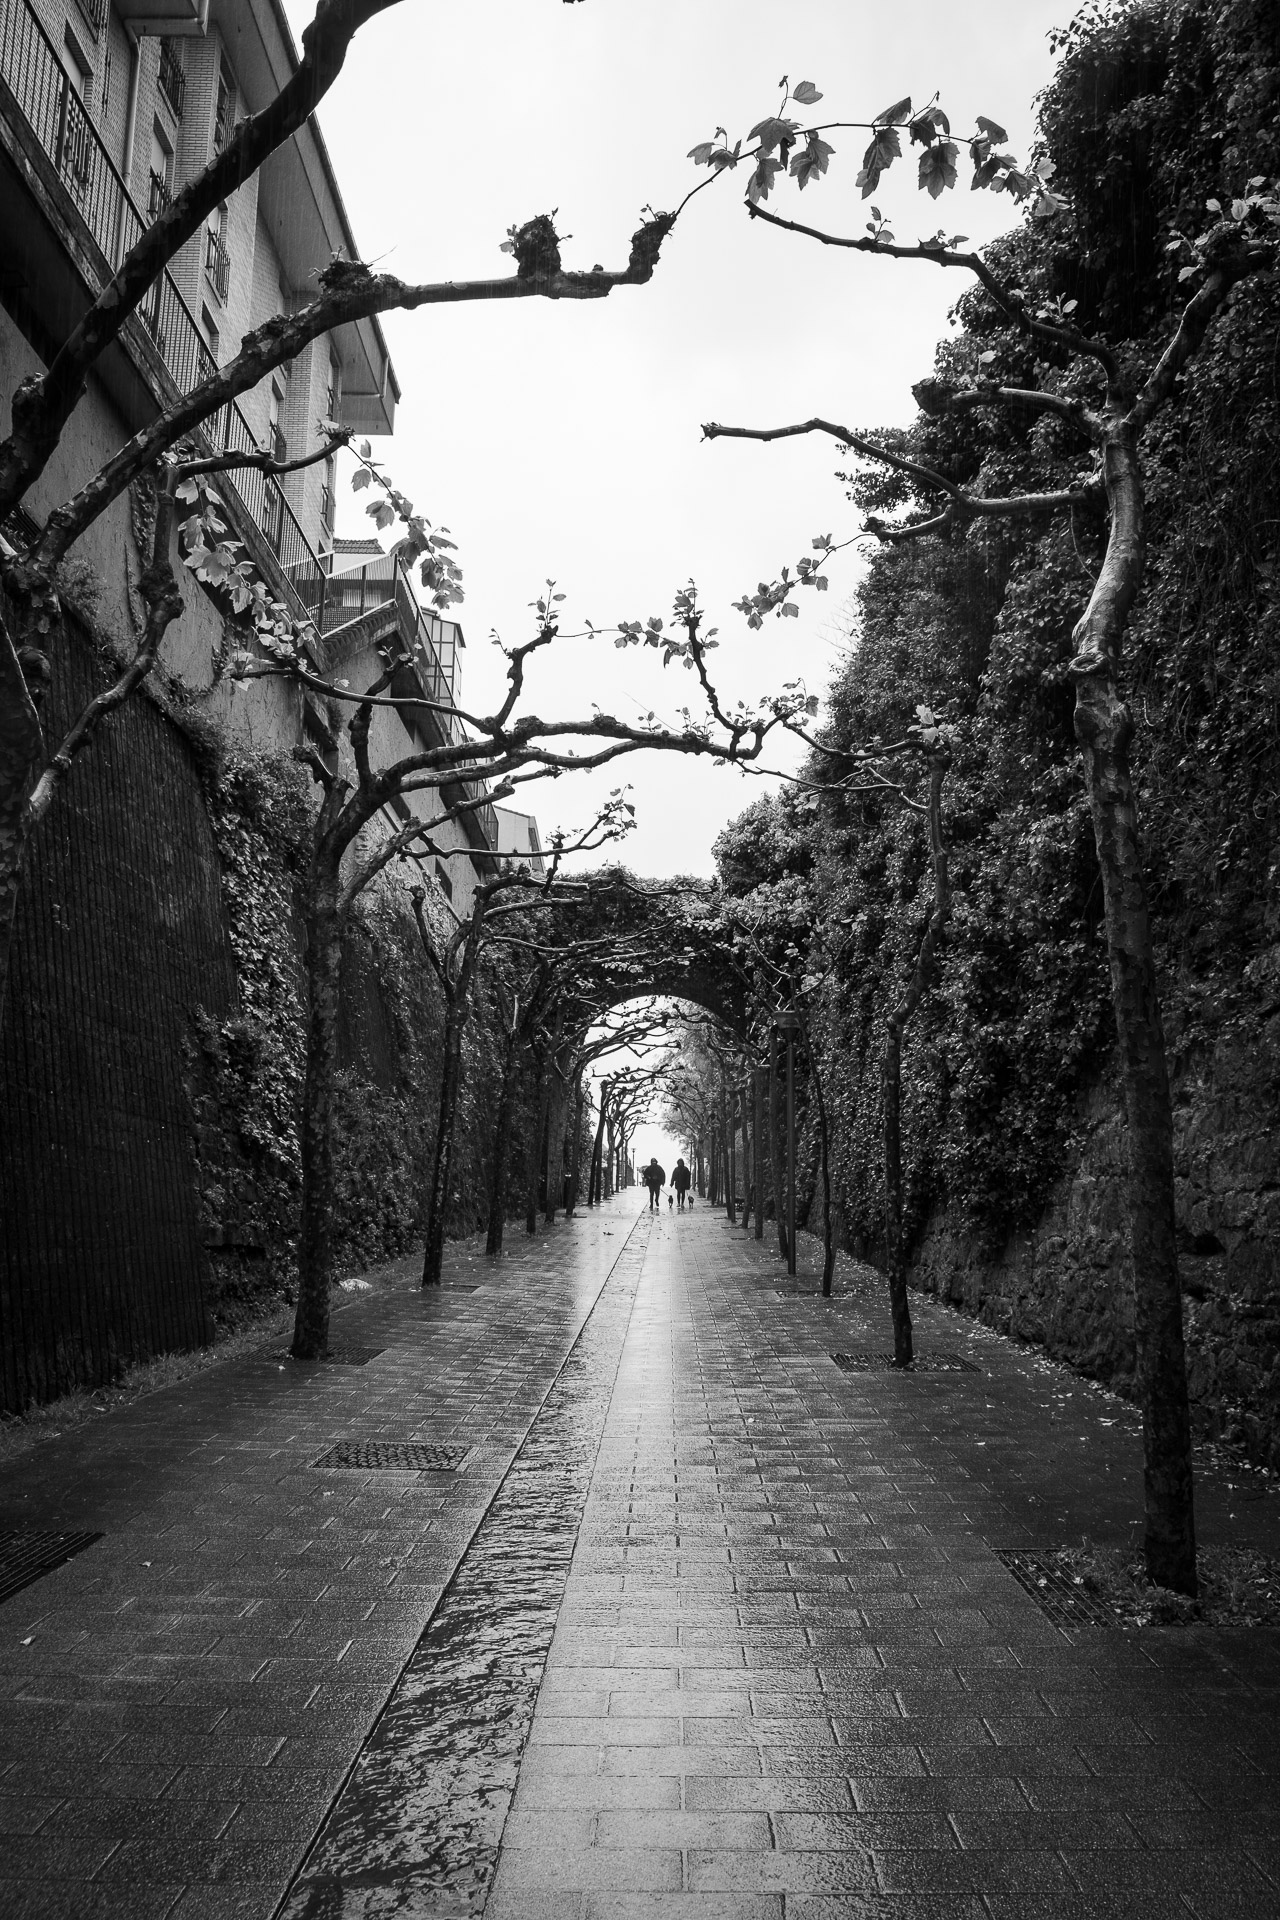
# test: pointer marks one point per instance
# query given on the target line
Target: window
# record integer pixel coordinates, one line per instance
(75, 141)
(217, 258)
(161, 193)
(209, 325)
(172, 78)
(333, 392)
(224, 119)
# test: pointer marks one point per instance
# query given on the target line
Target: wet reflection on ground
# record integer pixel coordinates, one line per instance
(416, 1830)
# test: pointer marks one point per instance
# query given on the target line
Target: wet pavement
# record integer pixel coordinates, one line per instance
(701, 1624)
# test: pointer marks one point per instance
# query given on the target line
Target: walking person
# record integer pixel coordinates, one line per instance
(655, 1178)
(681, 1180)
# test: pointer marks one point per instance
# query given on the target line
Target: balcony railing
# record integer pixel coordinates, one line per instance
(96, 14)
(172, 78)
(159, 198)
(217, 264)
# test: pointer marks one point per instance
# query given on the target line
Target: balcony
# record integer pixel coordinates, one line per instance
(159, 198)
(217, 264)
(172, 79)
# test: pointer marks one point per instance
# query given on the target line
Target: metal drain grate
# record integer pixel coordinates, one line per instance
(393, 1456)
(1054, 1590)
(923, 1363)
(335, 1357)
(25, 1557)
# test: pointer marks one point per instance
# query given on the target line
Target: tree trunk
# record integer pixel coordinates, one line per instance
(777, 1177)
(891, 1073)
(442, 1164)
(575, 1163)
(761, 1158)
(315, 1240)
(501, 1141)
(749, 1151)
(594, 1193)
(536, 1150)
(828, 1218)
(1104, 729)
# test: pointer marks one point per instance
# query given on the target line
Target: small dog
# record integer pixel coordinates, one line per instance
(671, 1200)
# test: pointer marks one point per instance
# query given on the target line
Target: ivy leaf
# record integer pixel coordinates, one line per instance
(989, 127)
(360, 479)
(805, 94)
(701, 154)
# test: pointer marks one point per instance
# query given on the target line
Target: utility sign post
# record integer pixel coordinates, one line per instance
(788, 1026)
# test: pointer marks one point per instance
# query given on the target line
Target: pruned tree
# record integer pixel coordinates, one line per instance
(43, 406)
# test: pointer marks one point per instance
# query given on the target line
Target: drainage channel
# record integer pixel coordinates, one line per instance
(416, 1829)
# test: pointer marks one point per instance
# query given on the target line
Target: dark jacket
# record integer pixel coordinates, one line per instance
(682, 1179)
(653, 1175)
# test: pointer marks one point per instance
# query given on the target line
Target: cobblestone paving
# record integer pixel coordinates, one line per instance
(180, 1704)
(791, 1677)
(789, 1674)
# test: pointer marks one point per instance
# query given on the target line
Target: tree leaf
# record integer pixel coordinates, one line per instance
(805, 94)
(938, 167)
(990, 128)
(898, 111)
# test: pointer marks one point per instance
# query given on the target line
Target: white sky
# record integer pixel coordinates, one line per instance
(563, 439)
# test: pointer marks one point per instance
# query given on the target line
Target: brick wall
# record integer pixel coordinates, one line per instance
(118, 939)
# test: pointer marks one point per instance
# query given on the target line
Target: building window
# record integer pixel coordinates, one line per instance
(160, 195)
(217, 258)
(213, 339)
(172, 78)
(224, 119)
(75, 140)
(96, 14)
(333, 392)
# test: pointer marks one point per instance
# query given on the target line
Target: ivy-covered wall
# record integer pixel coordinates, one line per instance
(151, 1054)
(1012, 1142)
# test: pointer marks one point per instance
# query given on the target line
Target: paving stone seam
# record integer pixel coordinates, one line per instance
(466, 1545)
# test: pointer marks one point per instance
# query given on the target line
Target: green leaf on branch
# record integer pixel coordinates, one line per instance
(806, 94)
(989, 127)
(772, 132)
(938, 167)
(812, 160)
(360, 479)
(898, 111)
(884, 149)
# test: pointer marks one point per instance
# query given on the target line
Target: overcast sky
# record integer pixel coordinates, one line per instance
(564, 439)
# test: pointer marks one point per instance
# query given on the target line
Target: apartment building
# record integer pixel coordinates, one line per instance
(105, 111)
(151, 1039)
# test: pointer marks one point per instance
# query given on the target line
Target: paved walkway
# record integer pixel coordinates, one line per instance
(787, 1673)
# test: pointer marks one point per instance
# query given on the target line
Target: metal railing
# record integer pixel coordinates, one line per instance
(96, 13)
(172, 78)
(159, 198)
(217, 264)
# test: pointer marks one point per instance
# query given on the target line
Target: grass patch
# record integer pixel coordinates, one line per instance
(1238, 1587)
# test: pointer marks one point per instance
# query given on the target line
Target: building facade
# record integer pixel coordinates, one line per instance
(150, 1050)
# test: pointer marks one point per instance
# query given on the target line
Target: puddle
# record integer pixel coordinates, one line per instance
(416, 1830)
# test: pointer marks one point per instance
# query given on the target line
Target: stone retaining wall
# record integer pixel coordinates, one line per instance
(1068, 1284)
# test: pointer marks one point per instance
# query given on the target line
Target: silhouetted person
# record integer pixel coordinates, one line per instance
(681, 1180)
(655, 1178)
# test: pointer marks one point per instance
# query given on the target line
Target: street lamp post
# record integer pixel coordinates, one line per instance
(788, 1026)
